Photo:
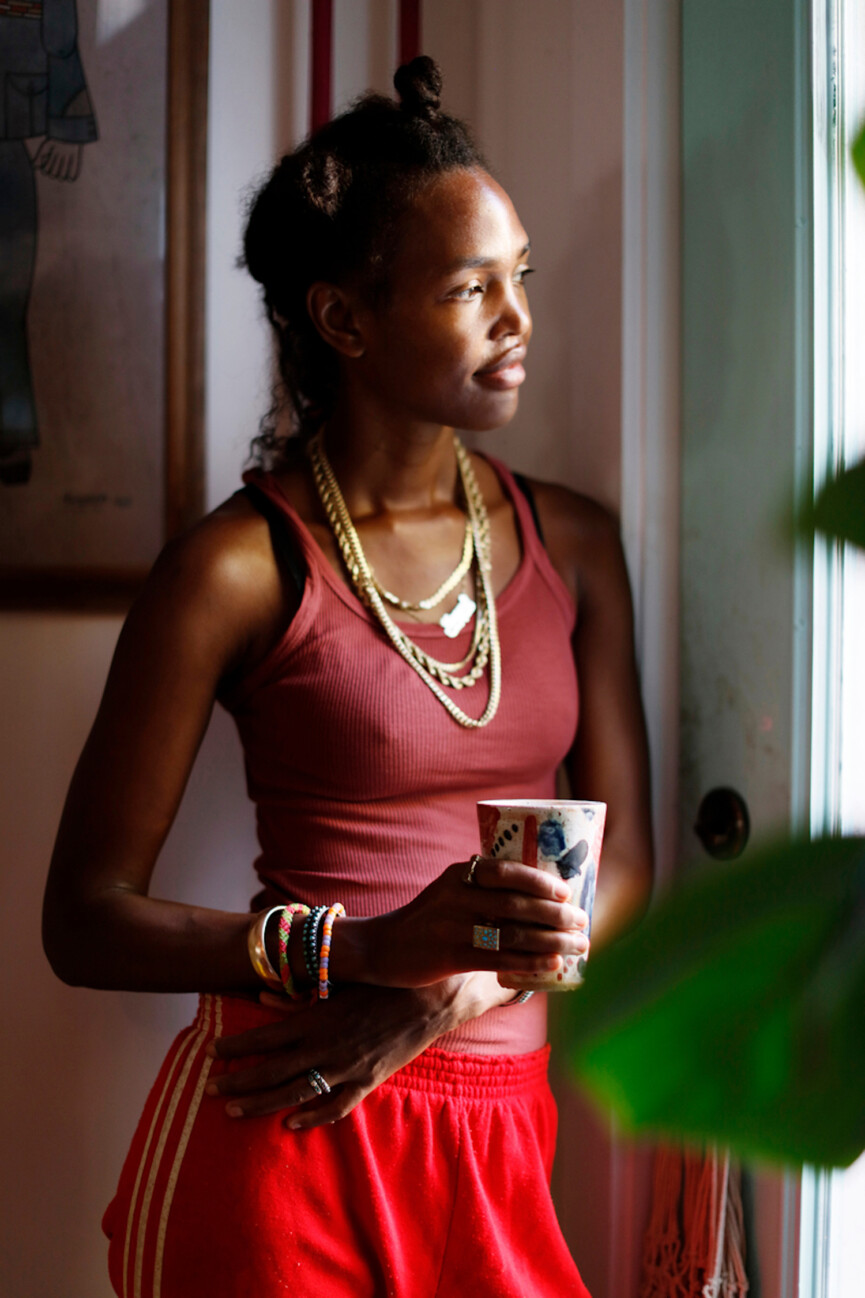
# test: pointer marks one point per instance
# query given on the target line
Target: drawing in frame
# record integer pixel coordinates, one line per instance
(102, 243)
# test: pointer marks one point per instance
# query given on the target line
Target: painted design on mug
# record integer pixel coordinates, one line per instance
(552, 846)
(506, 836)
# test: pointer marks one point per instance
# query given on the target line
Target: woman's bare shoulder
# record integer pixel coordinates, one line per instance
(219, 584)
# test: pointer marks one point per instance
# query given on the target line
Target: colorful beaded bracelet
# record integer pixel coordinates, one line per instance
(286, 916)
(324, 959)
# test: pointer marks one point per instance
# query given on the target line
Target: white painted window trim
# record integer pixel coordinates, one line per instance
(651, 381)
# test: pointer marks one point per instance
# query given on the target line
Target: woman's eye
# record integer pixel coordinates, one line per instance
(522, 272)
(470, 291)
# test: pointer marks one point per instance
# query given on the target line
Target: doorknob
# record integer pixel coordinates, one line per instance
(723, 824)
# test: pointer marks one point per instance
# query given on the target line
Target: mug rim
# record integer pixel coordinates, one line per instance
(545, 804)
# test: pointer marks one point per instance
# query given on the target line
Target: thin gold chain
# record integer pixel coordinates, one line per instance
(465, 563)
(485, 641)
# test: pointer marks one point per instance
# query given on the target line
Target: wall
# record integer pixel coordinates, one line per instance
(542, 83)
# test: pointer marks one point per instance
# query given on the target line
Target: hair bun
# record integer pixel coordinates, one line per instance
(419, 86)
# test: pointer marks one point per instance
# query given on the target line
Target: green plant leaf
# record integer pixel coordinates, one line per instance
(735, 1012)
(839, 510)
(858, 152)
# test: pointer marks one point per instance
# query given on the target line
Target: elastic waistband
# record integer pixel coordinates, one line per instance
(438, 1072)
(482, 1077)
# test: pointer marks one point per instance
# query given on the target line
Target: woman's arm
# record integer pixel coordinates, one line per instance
(610, 761)
(213, 601)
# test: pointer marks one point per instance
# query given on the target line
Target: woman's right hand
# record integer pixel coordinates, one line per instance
(430, 938)
(357, 1038)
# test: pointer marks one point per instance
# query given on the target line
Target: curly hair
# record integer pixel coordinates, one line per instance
(331, 211)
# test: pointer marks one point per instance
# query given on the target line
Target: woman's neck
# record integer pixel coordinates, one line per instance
(385, 466)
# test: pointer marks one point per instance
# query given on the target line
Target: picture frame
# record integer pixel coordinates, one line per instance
(133, 482)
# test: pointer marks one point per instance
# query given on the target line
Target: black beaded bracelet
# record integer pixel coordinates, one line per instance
(311, 928)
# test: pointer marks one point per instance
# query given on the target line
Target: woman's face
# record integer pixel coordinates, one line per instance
(448, 346)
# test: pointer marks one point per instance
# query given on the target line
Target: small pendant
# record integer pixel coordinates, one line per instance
(458, 618)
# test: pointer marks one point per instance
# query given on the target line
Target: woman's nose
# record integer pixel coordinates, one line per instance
(514, 316)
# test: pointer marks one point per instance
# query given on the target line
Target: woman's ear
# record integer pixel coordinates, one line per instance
(332, 311)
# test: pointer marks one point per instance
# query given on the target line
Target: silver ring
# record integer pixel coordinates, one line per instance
(485, 938)
(469, 876)
(317, 1082)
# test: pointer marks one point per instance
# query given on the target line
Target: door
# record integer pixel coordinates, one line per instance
(747, 450)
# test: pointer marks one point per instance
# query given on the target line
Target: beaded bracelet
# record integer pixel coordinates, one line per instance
(286, 916)
(518, 1000)
(324, 959)
(310, 941)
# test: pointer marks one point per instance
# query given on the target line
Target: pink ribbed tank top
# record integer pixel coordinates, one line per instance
(364, 786)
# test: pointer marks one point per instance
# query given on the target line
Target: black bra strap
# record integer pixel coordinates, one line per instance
(284, 544)
(524, 487)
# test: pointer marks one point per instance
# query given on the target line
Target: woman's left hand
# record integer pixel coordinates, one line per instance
(355, 1040)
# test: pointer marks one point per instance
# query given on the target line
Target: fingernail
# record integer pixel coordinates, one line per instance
(563, 891)
(210, 1051)
(211, 1089)
(234, 1110)
(293, 1125)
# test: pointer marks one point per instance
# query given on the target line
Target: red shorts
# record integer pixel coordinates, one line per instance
(435, 1186)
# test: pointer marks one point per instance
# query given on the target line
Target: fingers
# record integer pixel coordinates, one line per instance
(329, 1108)
(279, 1083)
(290, 1096)
(530, 910)
(517, 877)
(257, 1041)
(261, 1077)
(543, 941)
(260, 1093)
(525, 893)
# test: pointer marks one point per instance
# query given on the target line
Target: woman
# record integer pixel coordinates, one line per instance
(326, 1145)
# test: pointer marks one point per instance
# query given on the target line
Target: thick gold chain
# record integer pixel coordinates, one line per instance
(485, 645)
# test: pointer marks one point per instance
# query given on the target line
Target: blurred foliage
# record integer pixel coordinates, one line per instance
(735, 1012)
(839, 508)
(858, 152)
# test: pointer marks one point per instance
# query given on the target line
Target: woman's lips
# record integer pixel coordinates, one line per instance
(505, 373)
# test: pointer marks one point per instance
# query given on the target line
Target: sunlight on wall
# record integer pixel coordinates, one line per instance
(113, 15)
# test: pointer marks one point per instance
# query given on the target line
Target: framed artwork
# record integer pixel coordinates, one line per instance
(102, 221)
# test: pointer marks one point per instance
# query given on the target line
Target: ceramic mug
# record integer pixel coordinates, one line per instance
(564, 839)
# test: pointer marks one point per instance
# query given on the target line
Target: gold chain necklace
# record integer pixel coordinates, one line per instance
(485, 645)
(465, 563)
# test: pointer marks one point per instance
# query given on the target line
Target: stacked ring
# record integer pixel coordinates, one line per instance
(317, 1082)
(469, 876)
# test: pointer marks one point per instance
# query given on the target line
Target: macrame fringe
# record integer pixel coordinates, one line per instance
(695, 1241)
